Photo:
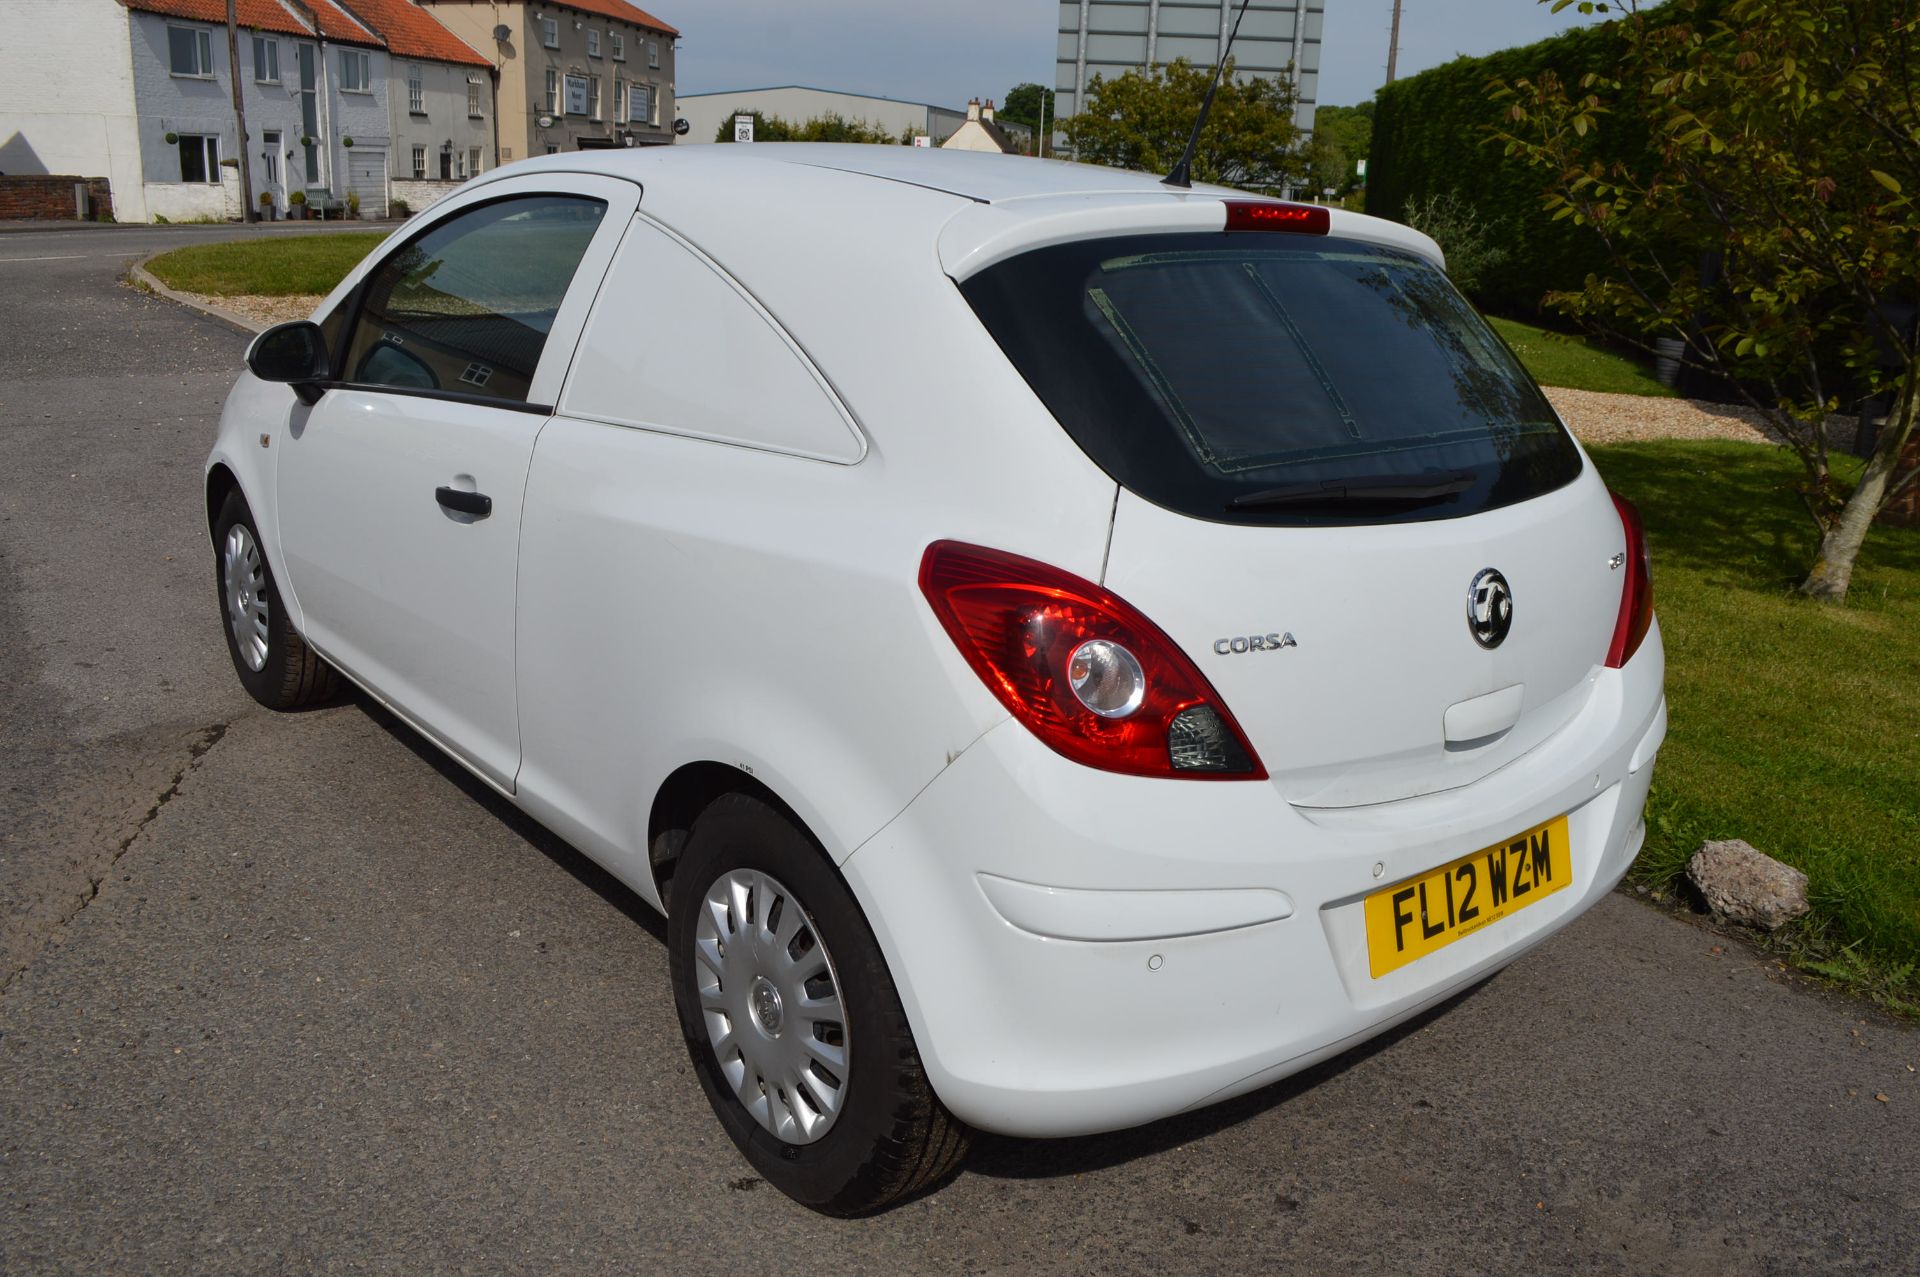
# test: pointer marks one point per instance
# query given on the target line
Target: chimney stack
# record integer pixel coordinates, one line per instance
(987, 113)
(973, 109)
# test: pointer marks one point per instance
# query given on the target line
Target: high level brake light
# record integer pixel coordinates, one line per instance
(1636, 593)
(1273, 215)
(1084, 671)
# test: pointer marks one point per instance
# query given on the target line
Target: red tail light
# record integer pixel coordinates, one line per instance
(1272, 215)
(1636, 595)
(1019, 624)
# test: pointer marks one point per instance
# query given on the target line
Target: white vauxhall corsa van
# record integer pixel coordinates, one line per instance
(1060, 650)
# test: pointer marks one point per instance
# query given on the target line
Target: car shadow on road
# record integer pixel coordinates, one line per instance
(1005, 1157)
(995, 1156)
(549, 844)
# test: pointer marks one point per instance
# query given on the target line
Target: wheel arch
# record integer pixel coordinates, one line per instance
(220, 482)
(687, 792)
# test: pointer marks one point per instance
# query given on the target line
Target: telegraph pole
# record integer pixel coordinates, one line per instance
(248, 212)
(1393, 42)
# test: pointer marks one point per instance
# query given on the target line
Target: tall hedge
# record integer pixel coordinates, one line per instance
(1429, 137)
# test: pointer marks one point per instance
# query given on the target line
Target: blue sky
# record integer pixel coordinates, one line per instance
(947, 53)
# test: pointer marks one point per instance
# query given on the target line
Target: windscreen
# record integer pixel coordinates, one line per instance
(1256, 377)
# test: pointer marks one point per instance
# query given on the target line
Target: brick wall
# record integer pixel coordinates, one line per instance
(51, 197)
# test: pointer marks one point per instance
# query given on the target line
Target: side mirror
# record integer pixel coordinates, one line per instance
(293, 354)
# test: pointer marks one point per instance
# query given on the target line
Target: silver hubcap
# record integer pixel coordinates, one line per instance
(771, 1004)
(246, 580)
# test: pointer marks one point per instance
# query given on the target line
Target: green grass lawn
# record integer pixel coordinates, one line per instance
(278, 266)
(1556, 359)
(1794, 725)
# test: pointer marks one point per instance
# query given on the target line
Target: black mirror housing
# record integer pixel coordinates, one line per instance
(294, 354)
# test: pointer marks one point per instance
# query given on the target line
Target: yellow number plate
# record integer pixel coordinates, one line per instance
(1430, 912)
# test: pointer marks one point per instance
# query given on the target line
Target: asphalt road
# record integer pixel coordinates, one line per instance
(333, 1007)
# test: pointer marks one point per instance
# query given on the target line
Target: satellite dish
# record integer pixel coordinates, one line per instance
(503, 33)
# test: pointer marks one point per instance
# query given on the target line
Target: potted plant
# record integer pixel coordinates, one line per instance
(297, 206)
(266, 205)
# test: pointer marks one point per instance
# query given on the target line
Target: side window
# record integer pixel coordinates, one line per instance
(467, 306)
(701, 358)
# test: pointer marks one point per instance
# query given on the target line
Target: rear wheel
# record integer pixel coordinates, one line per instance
(273, 662)
(793, 1021)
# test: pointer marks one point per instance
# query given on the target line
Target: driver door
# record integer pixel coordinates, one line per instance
(399, 491)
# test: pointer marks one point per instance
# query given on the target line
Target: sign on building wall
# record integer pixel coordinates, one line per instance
(743, 128)
(576, 95)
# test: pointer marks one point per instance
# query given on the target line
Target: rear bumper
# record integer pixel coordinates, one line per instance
(1079, 951)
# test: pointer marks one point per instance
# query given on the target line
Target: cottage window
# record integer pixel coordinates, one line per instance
(619, 46)
(199, 158)
(416, 92)
(553, 91)
(190, 52)
(356, 72)
(619, 101)
(420, 162)
(593, 43)
(593, 97)
(266, 60)
(653, 53)
(473, 98)
(550, 32)
(473, 161)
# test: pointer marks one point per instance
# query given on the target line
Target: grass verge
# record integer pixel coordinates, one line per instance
(1555, 359)
(280, 266)
(1794, 725)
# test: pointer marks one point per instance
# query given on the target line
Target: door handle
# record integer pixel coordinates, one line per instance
(477, 504)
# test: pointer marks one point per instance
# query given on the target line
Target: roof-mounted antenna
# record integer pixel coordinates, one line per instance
(1182, 175)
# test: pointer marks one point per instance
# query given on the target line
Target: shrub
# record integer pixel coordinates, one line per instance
(399, 208)
(298, 197)
(1464, 236)
(353, 204)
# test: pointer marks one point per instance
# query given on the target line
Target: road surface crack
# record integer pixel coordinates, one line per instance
(198, 746)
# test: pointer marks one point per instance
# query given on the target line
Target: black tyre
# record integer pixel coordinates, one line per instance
(792, 1020)
(274, 663)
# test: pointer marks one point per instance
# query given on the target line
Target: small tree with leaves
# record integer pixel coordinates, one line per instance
(1141, 120)
(1770, 224)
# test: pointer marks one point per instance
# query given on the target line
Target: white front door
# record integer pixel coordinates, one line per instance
(399, 490)
(270, 161)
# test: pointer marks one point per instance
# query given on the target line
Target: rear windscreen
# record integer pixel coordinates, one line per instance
(1262, 378)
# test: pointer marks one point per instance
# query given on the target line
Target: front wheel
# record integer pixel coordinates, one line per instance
(273, 662)
(793, 1021)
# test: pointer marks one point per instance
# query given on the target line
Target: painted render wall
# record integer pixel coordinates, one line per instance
(186, 105)
(445, 118)
(67, 96)
(523, 61)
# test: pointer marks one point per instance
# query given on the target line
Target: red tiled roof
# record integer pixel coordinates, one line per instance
(622, 10)
(616, 9)
(264, 15)
(412, 32)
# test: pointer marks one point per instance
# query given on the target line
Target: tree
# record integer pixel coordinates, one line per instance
(1466, 237)
(1141, 120)
(1342, 136)
(1025, 104)
(821, 128)
(1770, 225)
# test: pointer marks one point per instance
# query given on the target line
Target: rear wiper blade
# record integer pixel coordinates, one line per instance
(1384, 490)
